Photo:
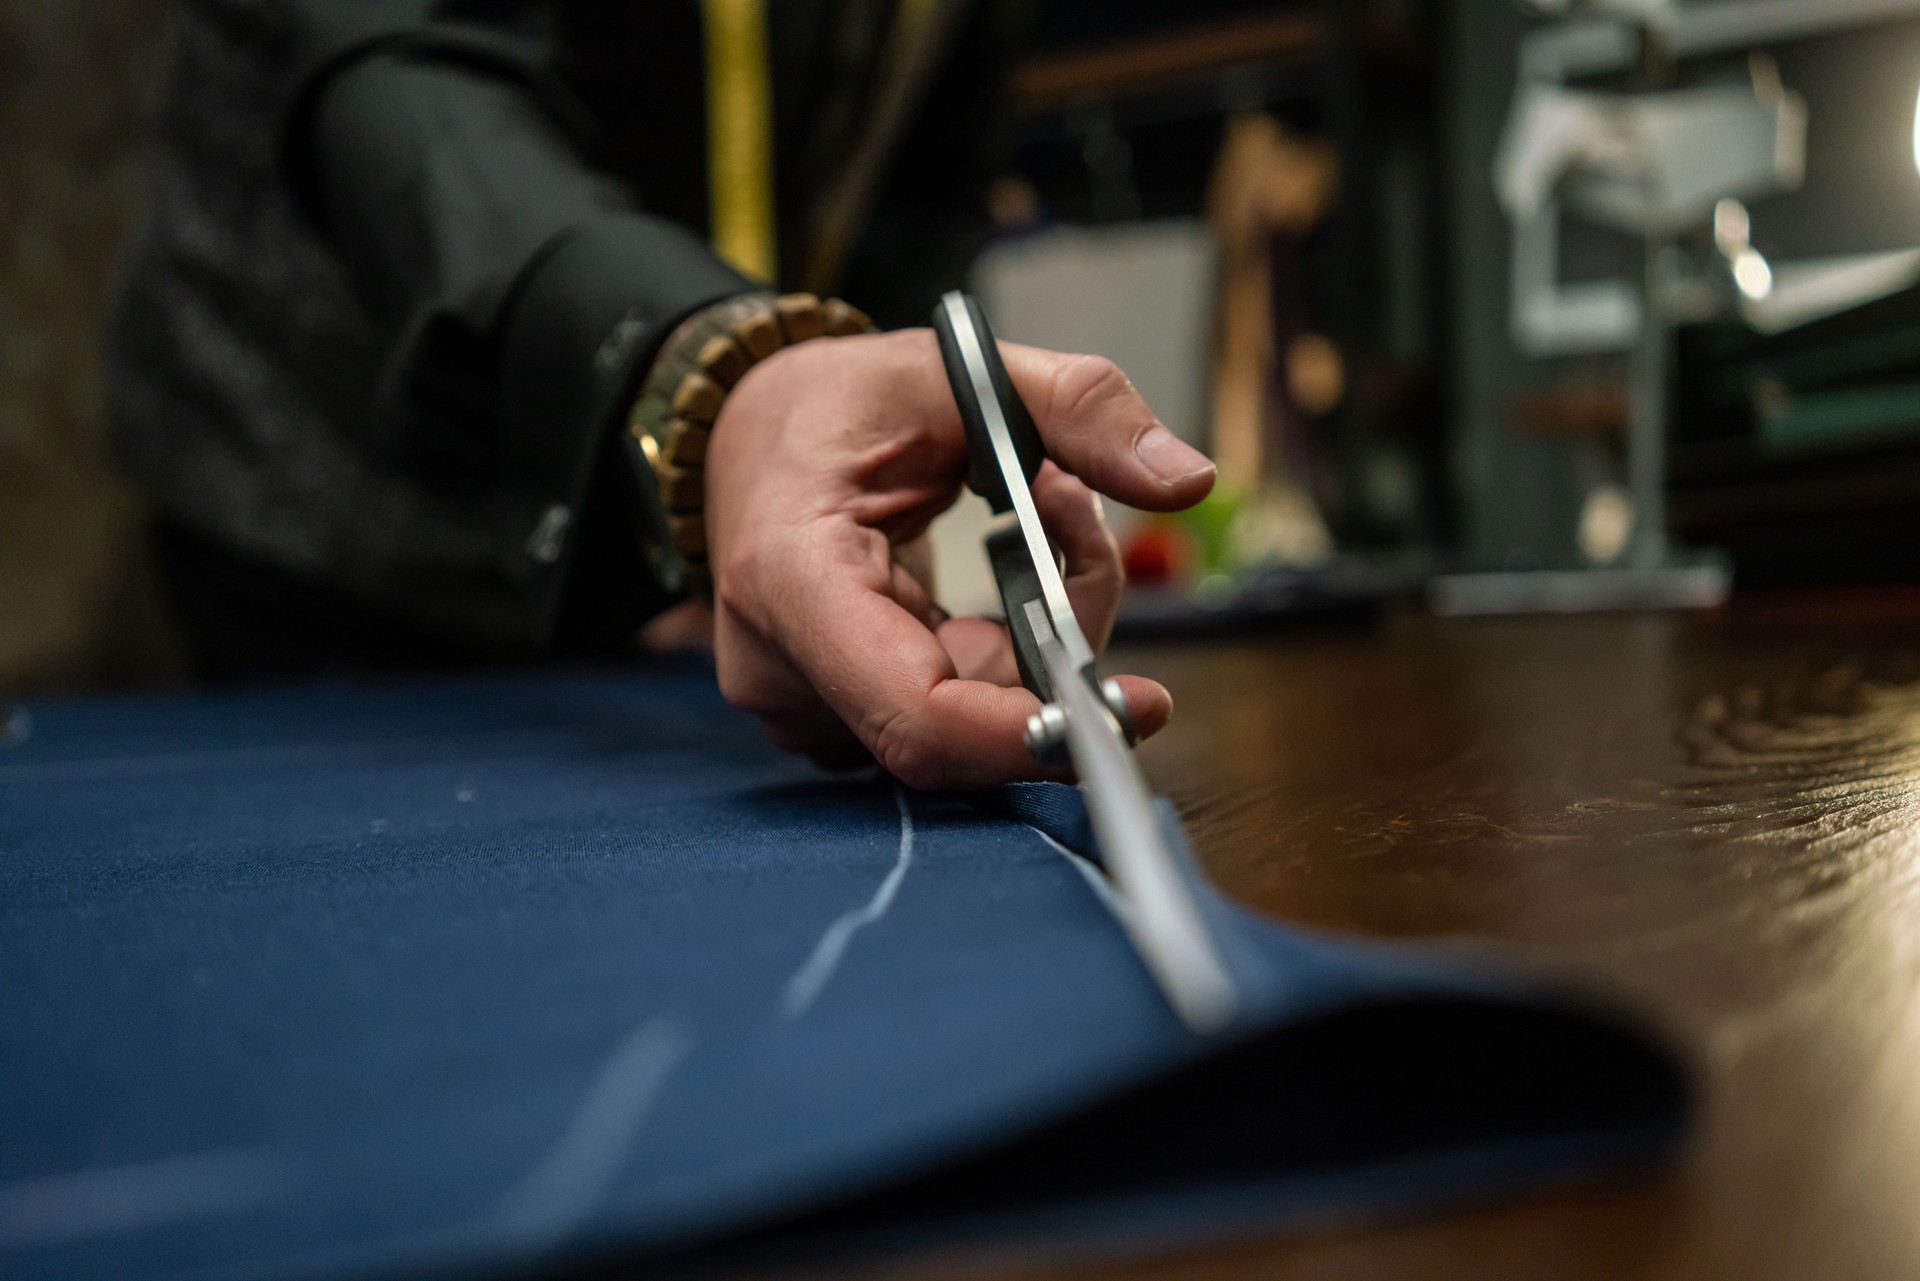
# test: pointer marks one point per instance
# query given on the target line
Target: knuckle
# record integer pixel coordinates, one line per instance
(908, 751)
(1080, 382)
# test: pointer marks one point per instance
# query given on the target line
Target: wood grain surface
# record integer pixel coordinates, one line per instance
(1710, 821)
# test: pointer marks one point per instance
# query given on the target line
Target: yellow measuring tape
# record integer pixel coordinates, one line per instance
(740, 136)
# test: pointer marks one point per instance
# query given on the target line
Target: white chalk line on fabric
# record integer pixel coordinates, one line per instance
(125, 1198)
(562, 1191)
(560, 1194)
(804, 988)
(1103, 889)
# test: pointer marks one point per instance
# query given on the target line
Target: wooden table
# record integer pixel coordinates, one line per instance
(1713, 821)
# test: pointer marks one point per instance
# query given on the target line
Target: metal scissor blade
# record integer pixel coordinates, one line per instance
(1165, 922)
(1056, 661)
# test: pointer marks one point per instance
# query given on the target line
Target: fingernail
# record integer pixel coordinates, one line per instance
(1169, 457)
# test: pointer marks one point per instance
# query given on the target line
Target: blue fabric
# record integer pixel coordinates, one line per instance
(487, 976)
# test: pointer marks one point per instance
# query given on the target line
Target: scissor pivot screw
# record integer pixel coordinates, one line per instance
(1116, 700)
(1047, 734)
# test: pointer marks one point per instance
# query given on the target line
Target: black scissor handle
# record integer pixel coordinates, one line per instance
(1007, 552)
(968, 351)
(1014, 574)
(983, 466)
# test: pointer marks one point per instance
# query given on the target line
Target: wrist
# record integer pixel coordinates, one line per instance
(673, 416)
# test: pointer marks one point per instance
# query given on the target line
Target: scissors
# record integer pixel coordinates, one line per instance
(1082, 718)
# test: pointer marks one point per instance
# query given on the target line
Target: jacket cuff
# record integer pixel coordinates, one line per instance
(579, 335)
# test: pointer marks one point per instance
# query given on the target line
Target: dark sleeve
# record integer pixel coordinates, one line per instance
(520, 290)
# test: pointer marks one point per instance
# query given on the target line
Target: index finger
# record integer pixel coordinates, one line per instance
(895, 686)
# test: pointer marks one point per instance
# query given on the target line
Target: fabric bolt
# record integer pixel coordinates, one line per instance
(507, 975)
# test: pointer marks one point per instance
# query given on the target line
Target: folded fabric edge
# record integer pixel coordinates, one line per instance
(1378, 1107)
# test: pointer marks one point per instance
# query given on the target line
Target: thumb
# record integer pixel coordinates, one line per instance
(1096, 426)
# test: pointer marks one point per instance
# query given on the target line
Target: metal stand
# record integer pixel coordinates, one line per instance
(1652, 577)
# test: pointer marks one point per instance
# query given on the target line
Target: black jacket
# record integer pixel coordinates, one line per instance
(403, 264)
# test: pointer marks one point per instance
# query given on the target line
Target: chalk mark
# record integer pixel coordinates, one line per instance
(804, 988)
(122, 1198)
(1103, 889)
(560, 1193)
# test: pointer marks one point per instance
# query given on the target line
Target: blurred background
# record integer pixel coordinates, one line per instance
(1480, 305)
(77, 85)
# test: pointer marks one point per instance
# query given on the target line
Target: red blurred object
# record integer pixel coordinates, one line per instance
(1155, 554)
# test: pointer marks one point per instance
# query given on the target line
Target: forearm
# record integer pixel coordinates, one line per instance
(520, 292)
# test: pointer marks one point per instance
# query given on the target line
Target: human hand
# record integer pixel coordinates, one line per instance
(828, 462)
